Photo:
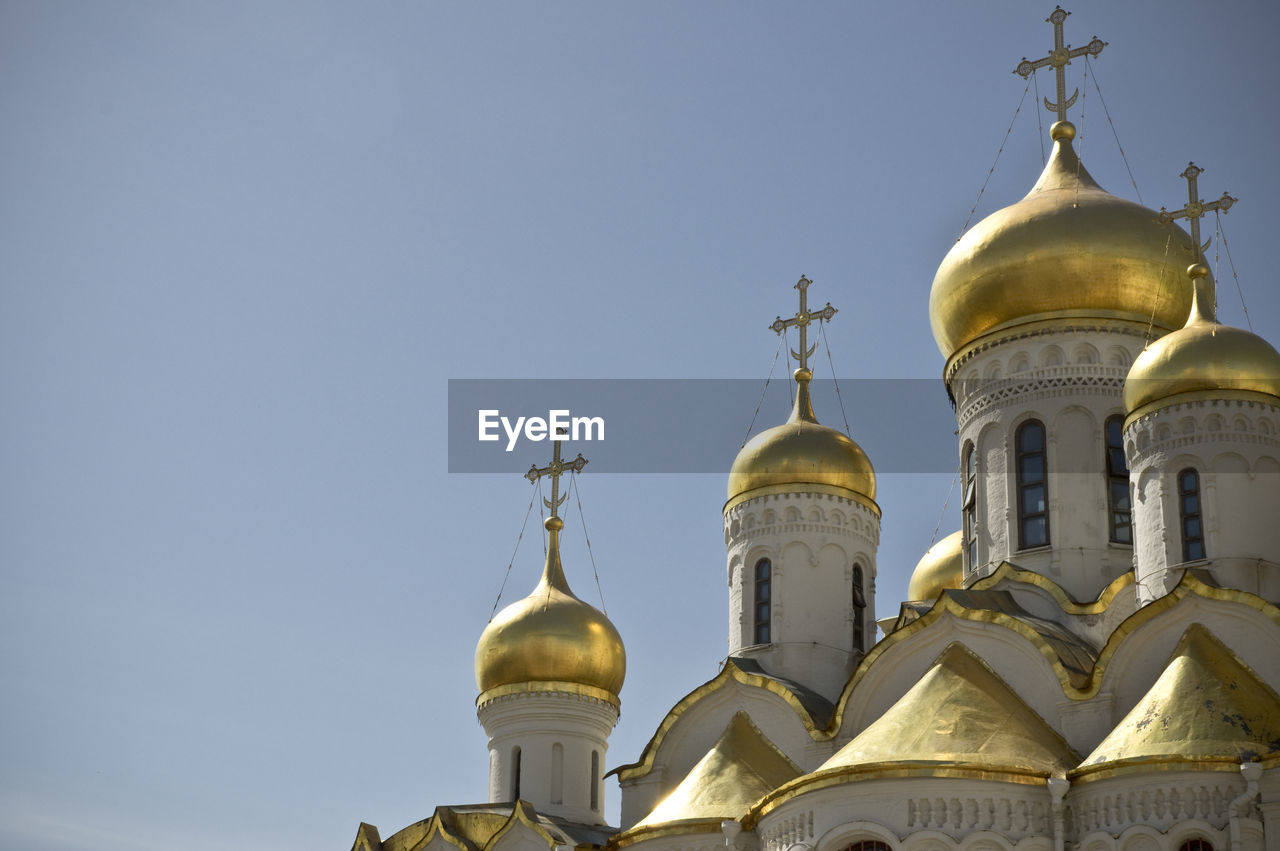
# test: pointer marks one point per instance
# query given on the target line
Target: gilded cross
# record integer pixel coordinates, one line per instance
(801, 320)
(1058, 59)
(1196, 207)
(555, 470)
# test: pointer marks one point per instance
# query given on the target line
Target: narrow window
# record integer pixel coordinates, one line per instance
(969, 508)
(764, 580)
(515, 774)
(1189, 508)
(1196, 845)
(859, 610)
(595, 780)
(869, 845)
(1033, 490)
(1121, 514)
(557, 773)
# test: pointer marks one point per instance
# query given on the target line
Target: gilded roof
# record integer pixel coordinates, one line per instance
(940, 568)
(1069, 249)
(741, 768)
(812, 710)
(1207, 706)
(1072, 653)
(959, 715)
(475, 827)
(1204, 357)
(551, 637)
(802, 455)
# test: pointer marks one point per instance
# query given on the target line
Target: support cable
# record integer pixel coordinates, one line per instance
(519, 538)
(763, 392)
(1039, 122)
(823, 334)
(1226, 247)
(991, 170)
(1107, 112)
(577, 495)
(934, 538)
(1155, 302)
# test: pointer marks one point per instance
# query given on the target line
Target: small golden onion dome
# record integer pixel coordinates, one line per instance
(1204, 358)
(939, 569)
(802, 455)
(1068, 249)
(551, 639)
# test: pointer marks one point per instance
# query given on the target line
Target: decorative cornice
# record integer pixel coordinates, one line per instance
(548, 688)
(843, 494)
(1043, 328)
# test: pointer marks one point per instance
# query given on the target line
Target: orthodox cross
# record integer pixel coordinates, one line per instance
(1059, 58)
(1196, 207)
(801, 320)
(555, 470)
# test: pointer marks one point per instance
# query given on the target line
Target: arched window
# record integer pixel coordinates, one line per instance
(1189, 509)
(1121, 514)
(595, 780)
(764, 606)
(1033, 486)
(969, 508)
(515, 774)
(1196, 844)
(869, 845)
(557, 773)
(859, 609)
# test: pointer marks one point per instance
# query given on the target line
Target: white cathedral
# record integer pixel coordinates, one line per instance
(1090, 662)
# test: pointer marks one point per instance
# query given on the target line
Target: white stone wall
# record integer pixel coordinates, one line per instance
(1235, 447)
(1159, 800)
(911, 812)
(812, 541)
(1071, 380)
(557, 733)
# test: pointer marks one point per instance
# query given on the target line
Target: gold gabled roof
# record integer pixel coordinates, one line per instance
(959, 715)
(367, 838)
(1206, 708)
(739, 770)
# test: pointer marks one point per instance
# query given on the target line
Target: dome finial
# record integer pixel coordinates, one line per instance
(803, 411)
(801, 320)
(1196, 207)
(1059, 58)
(1203, 308)
(553, 573)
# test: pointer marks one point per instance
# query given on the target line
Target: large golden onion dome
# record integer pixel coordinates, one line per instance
(1067, 250)
(551, 640)
(939, 569)
(1204, 358)
(802, 455)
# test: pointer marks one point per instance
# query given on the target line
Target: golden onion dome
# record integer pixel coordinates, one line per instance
(939, 569)
(802, 455)
(1069, 249)
(551, 640)
(1204, 358)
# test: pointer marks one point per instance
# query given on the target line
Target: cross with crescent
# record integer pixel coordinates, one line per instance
(801, 320)
(1196, 207)
(555, 470)
(1059, 58)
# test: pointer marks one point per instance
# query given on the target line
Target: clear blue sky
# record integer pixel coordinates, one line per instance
(243, 246)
